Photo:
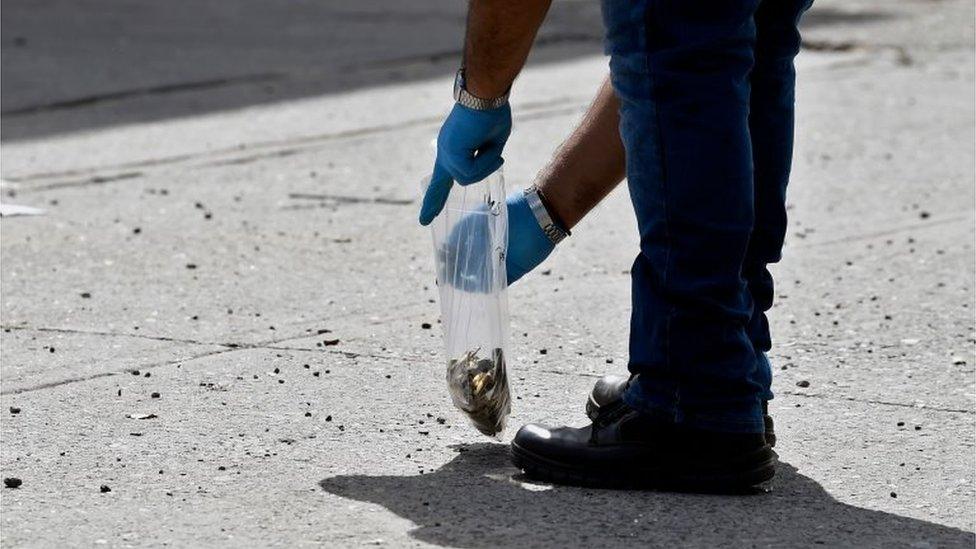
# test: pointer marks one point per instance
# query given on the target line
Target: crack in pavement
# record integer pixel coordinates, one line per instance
(274, 148)
(347, 354)
(68, 381)
(87, 182)
(342, 199)
(810, 395)
(953, 218)
(227, 347)
(881, 402)
(23, 327)
(162, 89)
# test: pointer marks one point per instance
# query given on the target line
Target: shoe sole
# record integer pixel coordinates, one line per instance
(760, 469)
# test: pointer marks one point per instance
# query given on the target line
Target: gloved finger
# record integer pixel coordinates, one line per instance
(482, 165)
(513, 272)
(436, 195)
(485, 168)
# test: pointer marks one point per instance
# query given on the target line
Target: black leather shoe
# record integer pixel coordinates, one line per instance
(609, 389)
(626, 449)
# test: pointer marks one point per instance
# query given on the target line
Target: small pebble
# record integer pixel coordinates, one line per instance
(425, 325)
(330, 342)
(543, 351)
(12, 482)
(803, 383)
(154, 395)
(894, 495)
(14, 410)
(85, 295)
(104, 489)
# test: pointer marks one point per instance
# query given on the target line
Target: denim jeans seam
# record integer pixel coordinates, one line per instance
(662, 166)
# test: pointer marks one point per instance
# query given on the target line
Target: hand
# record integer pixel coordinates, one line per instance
(469, 149)
(528, 245)
(463, 260)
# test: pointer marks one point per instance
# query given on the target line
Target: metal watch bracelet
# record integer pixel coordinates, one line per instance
(552, 230)
(463, 97)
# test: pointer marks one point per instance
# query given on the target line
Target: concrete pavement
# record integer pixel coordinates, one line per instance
(208, 241)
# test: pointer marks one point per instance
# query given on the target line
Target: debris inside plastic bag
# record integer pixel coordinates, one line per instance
(479, 387)
(470, 239)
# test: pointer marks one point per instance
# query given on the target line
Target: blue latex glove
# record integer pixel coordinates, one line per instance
(469, 149)
(464, 255)
(528, 245)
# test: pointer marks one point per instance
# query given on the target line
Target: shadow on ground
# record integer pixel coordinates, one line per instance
(73, 65)
(478, 500)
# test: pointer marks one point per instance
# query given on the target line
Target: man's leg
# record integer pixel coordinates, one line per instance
(692, 417)
(771, 127)
(681, 71)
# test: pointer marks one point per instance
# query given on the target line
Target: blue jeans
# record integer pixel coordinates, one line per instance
(706, 91)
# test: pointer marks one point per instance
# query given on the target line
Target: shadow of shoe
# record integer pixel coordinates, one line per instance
(479, 500)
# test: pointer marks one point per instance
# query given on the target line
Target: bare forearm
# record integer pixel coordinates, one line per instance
(499, 37)
(589, 164)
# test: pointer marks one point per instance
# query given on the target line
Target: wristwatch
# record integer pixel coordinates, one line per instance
(462, 96)
(554, 232)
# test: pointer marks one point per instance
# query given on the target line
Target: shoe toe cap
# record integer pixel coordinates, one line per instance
(533, 436)
(554, 443)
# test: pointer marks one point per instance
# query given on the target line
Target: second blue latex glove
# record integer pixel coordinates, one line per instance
(466, 249)
(469, 149)
(528, 245)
